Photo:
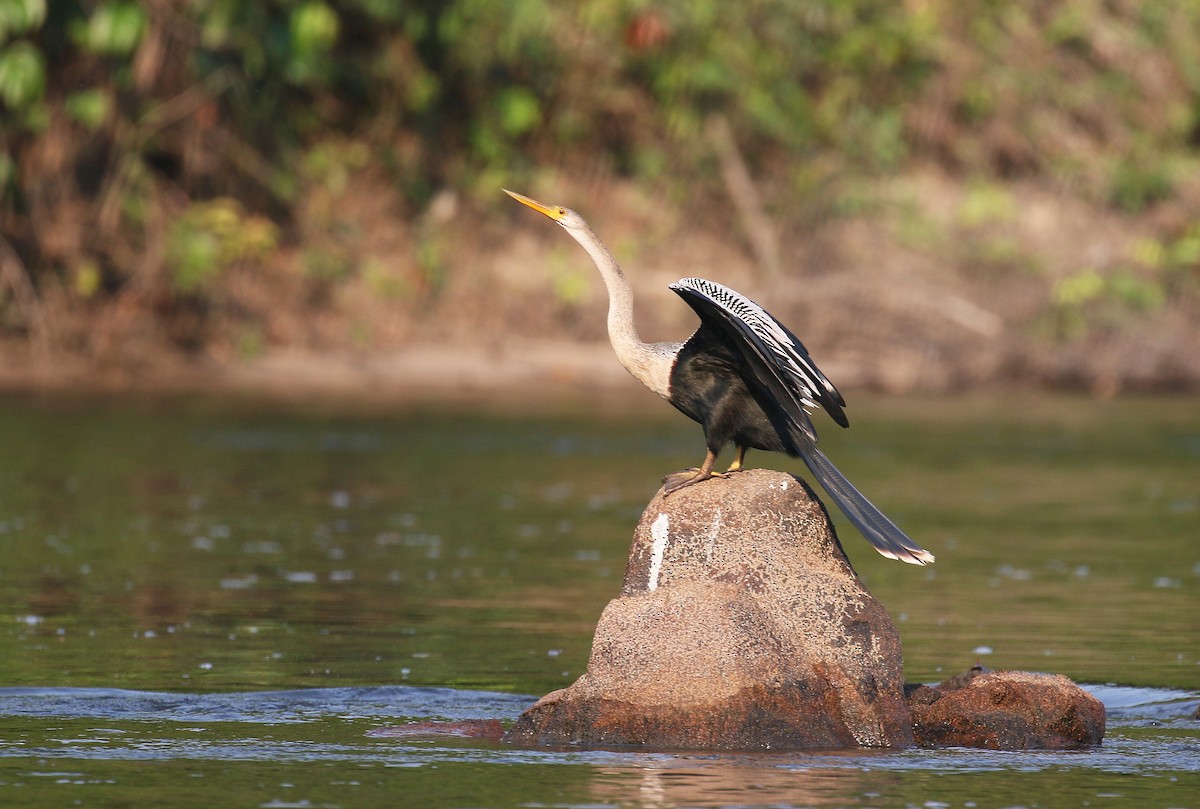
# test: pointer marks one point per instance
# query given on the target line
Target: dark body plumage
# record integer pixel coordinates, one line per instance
(707, 386)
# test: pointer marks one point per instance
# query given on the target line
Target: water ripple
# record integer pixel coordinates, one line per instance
(1150, 732)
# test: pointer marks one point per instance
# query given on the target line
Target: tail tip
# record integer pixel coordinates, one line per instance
(911, 556)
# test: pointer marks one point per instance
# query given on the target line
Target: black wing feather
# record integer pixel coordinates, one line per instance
(781, 369)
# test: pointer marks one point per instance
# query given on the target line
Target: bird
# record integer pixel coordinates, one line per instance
(743, 376)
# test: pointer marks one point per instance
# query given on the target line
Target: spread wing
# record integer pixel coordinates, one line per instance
(779, 369)
(777, 362)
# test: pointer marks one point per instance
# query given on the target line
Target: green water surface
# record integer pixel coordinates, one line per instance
(231, 547)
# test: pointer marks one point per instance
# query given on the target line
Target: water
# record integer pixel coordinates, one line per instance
(310, 748)
(214, 603)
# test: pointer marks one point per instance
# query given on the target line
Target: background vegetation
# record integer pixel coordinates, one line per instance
(946, 192)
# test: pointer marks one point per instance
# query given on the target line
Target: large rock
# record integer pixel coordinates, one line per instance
(740, 625)
(1007, 710)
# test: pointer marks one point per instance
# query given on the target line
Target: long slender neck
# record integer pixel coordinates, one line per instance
(646, 362)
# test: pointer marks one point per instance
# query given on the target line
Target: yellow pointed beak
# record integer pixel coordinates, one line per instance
(554, 213)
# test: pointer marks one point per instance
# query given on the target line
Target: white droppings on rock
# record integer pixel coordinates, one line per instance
(659, 532)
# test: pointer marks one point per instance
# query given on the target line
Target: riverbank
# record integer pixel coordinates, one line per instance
(941, 284)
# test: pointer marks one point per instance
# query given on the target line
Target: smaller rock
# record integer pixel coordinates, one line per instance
(959, 680)
(1006, 710)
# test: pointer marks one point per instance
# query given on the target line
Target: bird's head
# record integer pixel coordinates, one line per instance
(563, 216)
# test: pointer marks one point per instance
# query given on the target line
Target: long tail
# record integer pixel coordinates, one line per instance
(874, 525)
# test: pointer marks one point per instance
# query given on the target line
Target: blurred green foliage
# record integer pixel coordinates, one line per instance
(113, 29)
(156, 108)
(211, 236)
(22, 76)
(22, 65)
(1143, 282)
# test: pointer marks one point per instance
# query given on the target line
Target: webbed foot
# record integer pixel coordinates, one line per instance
(678, 480)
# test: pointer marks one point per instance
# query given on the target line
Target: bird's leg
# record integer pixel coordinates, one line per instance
(738, 459)
(677, 480)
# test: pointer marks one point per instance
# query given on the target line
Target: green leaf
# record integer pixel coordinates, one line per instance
(314, 29)
(89, 107)
(1186, 251)
(1135, 292)
(87, 279)
(19, 16)
(22, 75)
(115, 28)
(1077, 289)
(519, 110)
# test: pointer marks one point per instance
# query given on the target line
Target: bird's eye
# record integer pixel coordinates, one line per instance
(562, 211)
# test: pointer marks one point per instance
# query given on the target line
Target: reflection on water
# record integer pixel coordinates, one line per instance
(198, 554)
(739, 782)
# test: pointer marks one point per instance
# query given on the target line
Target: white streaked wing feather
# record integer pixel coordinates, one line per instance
(773, 335)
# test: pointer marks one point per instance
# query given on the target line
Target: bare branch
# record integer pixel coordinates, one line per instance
(14, 275)
(759, 230)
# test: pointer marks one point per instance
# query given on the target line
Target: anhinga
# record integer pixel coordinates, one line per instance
(743, 376)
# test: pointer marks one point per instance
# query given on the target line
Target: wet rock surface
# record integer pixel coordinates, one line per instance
(740, 625)
(1006, 710)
